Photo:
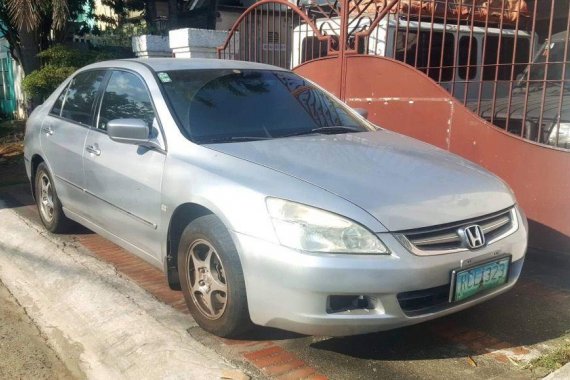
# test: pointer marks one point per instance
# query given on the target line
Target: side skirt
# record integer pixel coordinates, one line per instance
(115, 239)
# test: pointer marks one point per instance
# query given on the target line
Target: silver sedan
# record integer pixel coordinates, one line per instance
(267, 201)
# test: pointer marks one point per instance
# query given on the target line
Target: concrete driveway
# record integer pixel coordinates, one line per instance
(89, 288)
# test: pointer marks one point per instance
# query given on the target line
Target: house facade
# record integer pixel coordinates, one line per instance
(11, 75)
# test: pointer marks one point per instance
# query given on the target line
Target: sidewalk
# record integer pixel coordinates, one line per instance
(93, 316)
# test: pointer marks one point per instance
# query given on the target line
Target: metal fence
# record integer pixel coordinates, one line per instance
(506, 60)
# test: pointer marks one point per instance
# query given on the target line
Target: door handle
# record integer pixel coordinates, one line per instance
(93, 149)
(47, 130)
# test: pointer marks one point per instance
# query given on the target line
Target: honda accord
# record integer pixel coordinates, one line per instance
(268, 201)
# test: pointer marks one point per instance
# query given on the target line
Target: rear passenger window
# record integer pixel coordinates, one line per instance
(125, 97)
(501, 53)
(467, 58)
(81, 95)
(430, 52)
(56, 109)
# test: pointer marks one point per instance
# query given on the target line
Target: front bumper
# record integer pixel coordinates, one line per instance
(289, 289)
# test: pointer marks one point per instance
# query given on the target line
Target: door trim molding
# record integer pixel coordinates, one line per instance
(154, 226)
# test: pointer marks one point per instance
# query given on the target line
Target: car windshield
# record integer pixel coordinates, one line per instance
(215, 106)
(554, 52)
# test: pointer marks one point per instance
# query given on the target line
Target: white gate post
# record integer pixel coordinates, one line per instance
(149, 46)
(197, 43)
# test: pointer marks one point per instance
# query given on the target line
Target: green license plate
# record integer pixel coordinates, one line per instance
(468, 282)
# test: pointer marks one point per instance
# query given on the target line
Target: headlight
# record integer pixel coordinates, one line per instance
(310, 229)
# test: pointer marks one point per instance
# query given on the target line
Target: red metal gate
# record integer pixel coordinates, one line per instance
(486, 57)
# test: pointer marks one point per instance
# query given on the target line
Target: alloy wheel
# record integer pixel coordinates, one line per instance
(47, 206)
(207, 279)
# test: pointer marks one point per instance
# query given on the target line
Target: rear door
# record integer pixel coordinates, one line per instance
(123, 181)
(63, 135)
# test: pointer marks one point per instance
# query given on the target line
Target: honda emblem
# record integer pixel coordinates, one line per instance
(474, 236)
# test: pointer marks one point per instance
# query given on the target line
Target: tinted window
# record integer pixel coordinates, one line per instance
(499, 59)
(56, 109)
(221, 105)
(125, 97)
(313, 48)
(81, 95)
(431, 53)
(467, 58)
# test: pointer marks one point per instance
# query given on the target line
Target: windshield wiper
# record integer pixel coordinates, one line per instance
(234, 139)
(326, 130)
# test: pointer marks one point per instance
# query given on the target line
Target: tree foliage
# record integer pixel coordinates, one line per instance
(29, 14)
(121, 8)
(31, 26)
(41, 83)
(59, 62)
(8, 30)
(63, 56)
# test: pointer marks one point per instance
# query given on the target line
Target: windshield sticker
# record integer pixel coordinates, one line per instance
(164, 77)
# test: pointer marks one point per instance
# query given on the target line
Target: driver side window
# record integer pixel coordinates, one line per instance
(125, 97)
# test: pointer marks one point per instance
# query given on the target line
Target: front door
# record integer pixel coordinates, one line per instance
(123, 181)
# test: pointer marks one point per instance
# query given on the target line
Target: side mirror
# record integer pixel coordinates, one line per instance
(362, 112)
(129, 131)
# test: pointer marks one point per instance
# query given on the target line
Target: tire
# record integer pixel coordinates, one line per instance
(209, 267)
(49, 205)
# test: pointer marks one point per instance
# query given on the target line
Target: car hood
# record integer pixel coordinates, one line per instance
(402, 182)
(532, 104)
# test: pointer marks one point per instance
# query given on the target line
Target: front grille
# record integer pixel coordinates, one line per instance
(425, 301)
(449, 238)
(420, 302)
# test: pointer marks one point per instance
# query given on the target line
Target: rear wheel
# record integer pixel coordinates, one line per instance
(211, 278)
(49, 205)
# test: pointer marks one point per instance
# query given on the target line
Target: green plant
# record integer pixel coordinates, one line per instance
(63, 56)
(42, 82)
(554, 359)
(59, 62)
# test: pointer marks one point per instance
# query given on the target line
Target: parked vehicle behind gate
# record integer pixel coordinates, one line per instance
(267, 200)
(539, 108)
(461, 58)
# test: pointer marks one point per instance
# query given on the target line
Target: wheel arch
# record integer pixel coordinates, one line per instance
(183, 215)
(34, 163)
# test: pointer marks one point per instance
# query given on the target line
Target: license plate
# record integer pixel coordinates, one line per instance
(468, 282)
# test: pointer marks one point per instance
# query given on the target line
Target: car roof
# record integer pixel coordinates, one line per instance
(167, 64)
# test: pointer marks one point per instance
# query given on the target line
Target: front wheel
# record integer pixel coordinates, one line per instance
(212, 279)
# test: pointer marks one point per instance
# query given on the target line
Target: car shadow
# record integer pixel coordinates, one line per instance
(270, 334)
(19, 198)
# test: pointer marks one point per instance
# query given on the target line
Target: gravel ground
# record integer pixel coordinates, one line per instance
(23, 351)
(11, 153)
